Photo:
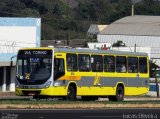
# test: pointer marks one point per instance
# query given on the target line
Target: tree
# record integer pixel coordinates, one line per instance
(61, 18)
(30, 12)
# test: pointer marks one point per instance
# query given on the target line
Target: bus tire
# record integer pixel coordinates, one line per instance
(119, 94)
(71, 93)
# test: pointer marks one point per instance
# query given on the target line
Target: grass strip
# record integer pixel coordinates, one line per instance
(51, 101)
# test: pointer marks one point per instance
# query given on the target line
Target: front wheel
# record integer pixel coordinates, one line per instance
(71, 93)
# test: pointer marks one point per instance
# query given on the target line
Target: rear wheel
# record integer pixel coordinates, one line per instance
(71, 93)
(119, 94)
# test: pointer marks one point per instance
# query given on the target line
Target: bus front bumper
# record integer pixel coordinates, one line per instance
(51, 91)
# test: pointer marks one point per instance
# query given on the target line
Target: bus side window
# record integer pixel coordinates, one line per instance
(71, 62)
(143, 65)
(97, 63)
(121, 64)
(109, 63)
(132, 64)
(83, 62)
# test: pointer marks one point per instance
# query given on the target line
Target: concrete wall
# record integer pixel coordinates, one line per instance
(16, 33)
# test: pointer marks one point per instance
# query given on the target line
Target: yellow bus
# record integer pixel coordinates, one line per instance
(69, 72)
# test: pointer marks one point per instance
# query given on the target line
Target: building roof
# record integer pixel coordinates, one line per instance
(101, 27)
(138, 25)
(95, 29)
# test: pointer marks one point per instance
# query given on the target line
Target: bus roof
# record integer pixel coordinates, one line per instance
(74, 50)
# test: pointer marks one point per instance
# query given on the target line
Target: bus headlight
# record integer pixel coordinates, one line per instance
(48, 84)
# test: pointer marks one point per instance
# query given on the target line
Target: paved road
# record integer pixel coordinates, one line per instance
(80, 114)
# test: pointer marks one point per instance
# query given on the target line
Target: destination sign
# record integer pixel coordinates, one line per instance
(35, 52)
(26, 53)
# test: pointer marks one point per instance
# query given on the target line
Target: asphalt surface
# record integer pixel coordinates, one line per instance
(80, 114)
(119, 113)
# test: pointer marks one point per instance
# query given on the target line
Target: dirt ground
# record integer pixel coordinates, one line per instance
(76, 106)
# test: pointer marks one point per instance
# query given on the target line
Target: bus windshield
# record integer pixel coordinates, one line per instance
(34, 66)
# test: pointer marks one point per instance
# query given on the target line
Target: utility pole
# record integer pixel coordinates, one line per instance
(68, 32)
(68, 38)
(135, 48)
(156, 80)
(132, 14)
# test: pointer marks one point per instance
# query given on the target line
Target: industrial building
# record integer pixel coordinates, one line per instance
(139, 30)
(15, 33)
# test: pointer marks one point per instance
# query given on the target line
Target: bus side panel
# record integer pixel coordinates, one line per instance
(106, 85)
(136, 90)
(104, 91)
(91, 91)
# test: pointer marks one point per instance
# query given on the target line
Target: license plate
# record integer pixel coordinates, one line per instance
(31, 93)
